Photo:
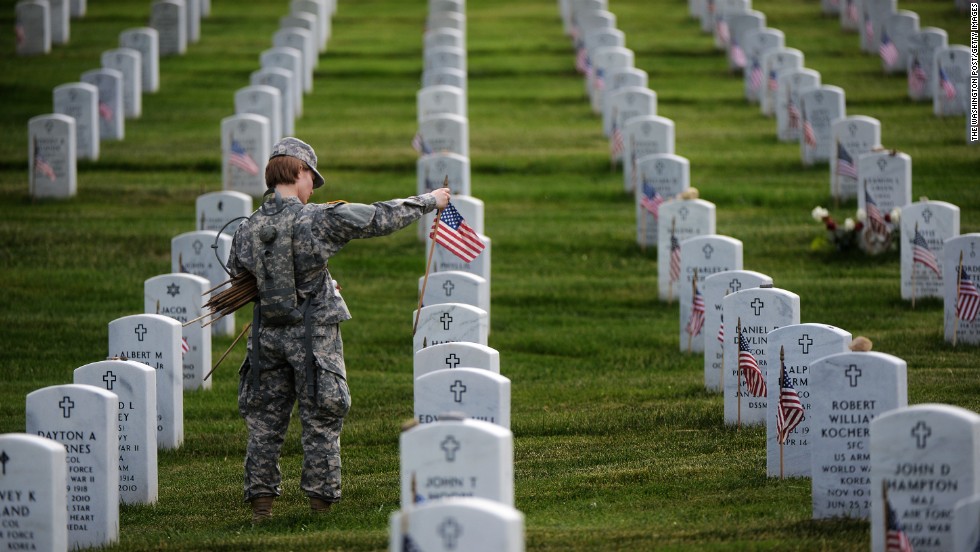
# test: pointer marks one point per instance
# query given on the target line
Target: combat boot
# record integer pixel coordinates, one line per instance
(261, 508)
(319, 506)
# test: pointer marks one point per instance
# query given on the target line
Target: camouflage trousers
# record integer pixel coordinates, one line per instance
(268, 406)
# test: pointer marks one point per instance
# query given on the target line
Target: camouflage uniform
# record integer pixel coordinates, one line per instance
(266, 402)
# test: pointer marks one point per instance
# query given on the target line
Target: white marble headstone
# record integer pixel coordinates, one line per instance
(926, 458)
(966, 524)
(642, 136)
(446, 132)
(32, 27)
(135, 385)
(851, 137)
(128, 62)
(443, 259)
(433, 169)
(952, 81)
(195, 253)
(738, 25)
(84, 419)
(439, 100)
(626, 103)
(454, 286)
(958, 328)
(444, 57)
(893, 45)
(885, 178)
(60, 24)
(437, 37)
(758, 311)
(289, 59)
(52, 156)
(850, 15)
(444, 75)
(302, 40)
(154, 340)
(80, 101)
(449, 322)
(456, 458)
(936, 222)
(618, 78)
(471, 524)
(218, 211)
(281, 80)
(703, 255)
(678, 220)
(714, 288)
(874, 13)
(245, 152)
(478, 394)
(193, 21)
(109, 83)
(922, 52)
(847, 391)
(461, 354)
(603, 60)
(774, 62)
(790, 84)
(34, 504)
(306, 21)
(182, 296)
(819, 107)
(320, 9)
(801, 345)
(145, 40)
(263, 100)
(660, 178)
(169, 18)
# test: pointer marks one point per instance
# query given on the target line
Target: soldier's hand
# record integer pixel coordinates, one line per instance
(442, 197)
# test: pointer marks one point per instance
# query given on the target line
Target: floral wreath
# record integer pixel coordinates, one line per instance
(857, 231)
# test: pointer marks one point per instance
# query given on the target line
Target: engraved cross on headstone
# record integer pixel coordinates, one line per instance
(66, 405)
(853, 373)
(448, 287)
(109, 378)
(3, 461)
(140, 332)
(921, 432)
(707, 250)
(450, 445)
(757, 306)
(457, 390)
(452, 360)
(450, 530)
(926, 215)
(445, 319)
(734, 285)
(805, 343)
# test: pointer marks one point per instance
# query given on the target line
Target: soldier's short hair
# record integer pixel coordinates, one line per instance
(283, 170)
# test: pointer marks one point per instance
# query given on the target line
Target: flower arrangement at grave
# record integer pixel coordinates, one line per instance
(873, 235)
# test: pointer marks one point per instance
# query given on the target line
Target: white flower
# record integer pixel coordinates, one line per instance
(895, 215)
(862, 215)
(849, 224)
(819, 213)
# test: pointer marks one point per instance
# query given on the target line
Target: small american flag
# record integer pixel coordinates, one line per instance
(875, 220)
(737, 54)
(419, 145)
(948, 88)
(105, 111)
(895, 538)
(845, 163)
(773, 81)
(851, 11)
(651, 200)
(887, 49)
(969, 301)
(616, 144)
(41, 164)
(747, 363)
(923, 255)
(721, 28)
(19, 34)
(790, 411)
(755, 76)
(455, 235)
(582, 61)
(675, 257)
(599, 83)
(184, 346)
(809, 136)
(696, 322)
(917, 77)
(792, 111)
(721, 330)
(240, 158)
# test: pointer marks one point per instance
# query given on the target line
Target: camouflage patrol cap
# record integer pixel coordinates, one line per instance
(294, 147)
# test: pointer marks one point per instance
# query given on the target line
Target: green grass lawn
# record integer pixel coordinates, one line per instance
(617, 444)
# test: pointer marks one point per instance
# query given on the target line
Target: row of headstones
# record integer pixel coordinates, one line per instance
(154, 359)
(731, 279)
(457, 466)
(94, 109)
(267, 109)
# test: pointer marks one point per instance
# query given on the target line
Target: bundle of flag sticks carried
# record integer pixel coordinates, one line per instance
(242, 291)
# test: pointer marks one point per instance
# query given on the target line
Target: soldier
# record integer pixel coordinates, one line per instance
(295, 350)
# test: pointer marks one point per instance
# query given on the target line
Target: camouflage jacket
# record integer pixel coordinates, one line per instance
(321, 231)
